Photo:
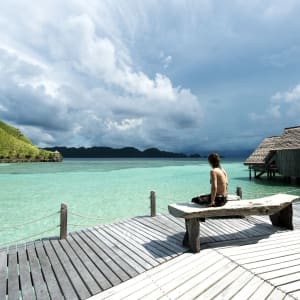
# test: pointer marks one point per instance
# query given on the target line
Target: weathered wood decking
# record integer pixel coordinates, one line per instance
(241, 257)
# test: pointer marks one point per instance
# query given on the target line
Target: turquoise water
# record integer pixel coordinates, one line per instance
(106, 190)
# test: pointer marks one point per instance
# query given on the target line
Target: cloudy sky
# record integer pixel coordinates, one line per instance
(181, 75)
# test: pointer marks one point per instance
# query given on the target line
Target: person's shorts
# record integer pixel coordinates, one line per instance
(206, 199)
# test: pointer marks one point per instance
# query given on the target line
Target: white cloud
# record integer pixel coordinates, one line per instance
(290, 96)
(282, 105)
(91, 92)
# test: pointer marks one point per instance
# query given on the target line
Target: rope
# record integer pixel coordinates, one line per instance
(162, 208)
(85, 217)
(168, 198)
(82, 225)
(29, 237)
(28, 222)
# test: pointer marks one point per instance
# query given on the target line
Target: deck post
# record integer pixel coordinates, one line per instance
(250, 173)
(63, 221)
(152, 204)
(239, 192)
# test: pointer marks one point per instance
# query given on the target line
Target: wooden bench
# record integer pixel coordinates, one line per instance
(278, 207)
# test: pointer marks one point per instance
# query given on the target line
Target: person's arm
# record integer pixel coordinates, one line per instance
(214, 183)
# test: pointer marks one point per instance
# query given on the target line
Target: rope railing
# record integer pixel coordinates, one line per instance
(28, 237)
(81, 225)
(27, 222)
(86, 217)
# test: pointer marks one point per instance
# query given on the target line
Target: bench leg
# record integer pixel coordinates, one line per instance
(283, 218)
(192, 235)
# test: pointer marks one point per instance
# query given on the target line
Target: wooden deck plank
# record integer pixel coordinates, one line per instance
(123, 252)
(81, 269)
(112, 274)
(113, 255)
(170, 223)
(266, 256)
(27, 290)
(291, 287)
(141, 281)
(137, 241)
(182, 273)
(64, 282)
(192, 289)
(277, 294)
(281, 270)
(102, 281)
(39, 284)
(254, 242)
(248, 290)
(50, 279)
(13, 280)
(3, 273)
(160, 227)
(126, 240)
(230, 228)
(274, 264)
(212, 231)
(164, 275)
(262, 292)
(74, 277)
(263, 245)
(235, 286)
(220, 230)
(296, 294)
(156, 246)
(177, 221)
(173, 246)
(221, 285)
(154, 230)
(287, 279)
(248, 254)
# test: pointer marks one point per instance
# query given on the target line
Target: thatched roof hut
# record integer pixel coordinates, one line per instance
(277, 154)
(290, 139)
(262, 152)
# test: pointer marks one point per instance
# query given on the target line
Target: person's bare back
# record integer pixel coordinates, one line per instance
(219, 181)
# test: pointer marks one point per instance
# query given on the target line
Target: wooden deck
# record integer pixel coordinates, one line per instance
(142, 258)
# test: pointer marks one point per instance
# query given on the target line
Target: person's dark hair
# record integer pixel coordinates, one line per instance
(214, 160)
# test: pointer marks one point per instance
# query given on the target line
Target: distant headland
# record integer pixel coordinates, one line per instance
(127, 152)
(15, 147)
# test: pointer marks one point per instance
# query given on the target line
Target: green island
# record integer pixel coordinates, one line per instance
(15, 147)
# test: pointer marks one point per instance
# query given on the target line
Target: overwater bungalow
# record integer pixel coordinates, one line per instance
(277, 155)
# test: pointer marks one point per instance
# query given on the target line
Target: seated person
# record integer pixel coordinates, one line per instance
(219, 182)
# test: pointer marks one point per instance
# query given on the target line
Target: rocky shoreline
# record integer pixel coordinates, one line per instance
(24, 160)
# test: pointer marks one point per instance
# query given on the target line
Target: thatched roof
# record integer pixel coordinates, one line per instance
(258, 157)
(290, 139)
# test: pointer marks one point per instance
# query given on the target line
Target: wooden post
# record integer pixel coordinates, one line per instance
(153, 203)
(63, 221)
(239, 192)
(250, 173)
